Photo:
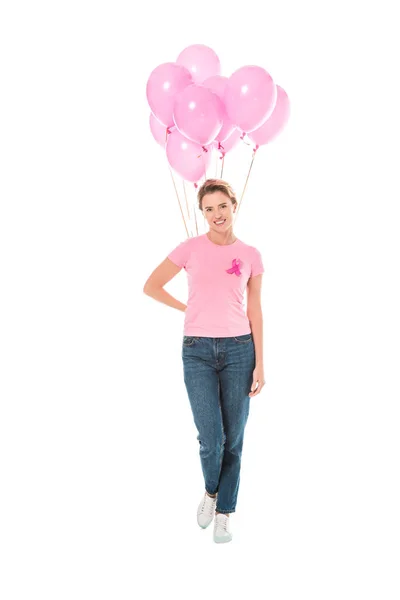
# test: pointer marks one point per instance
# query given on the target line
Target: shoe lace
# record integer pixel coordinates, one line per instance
(210, 504)
(222, 521)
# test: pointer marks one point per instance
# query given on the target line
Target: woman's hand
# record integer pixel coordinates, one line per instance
(258, 377)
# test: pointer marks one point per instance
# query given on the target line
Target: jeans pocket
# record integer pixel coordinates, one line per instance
(243, 339)
(189, 340)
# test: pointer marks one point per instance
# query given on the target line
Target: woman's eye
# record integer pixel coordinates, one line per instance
(209, 209)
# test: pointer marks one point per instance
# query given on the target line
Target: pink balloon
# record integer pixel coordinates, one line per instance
(198, 114)
(159, 131)
(187, 158)
(217, 84)
(201, 61)
(231, 142)
(275, 123)
(250, 97)
(164, 83)
(227, 129)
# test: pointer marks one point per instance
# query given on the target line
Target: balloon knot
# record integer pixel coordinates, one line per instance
(204, 149)
(196, 186)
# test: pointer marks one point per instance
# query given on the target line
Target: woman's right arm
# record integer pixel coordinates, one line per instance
(154, 286)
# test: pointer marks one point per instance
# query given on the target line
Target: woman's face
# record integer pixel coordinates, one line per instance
(218, 207)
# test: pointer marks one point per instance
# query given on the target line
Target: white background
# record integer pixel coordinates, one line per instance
(100, 472)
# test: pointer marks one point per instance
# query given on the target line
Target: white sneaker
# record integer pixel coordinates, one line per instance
(205, 512)
(221, 529)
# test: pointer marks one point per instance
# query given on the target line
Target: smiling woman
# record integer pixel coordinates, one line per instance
(218, 208)
(222, 346)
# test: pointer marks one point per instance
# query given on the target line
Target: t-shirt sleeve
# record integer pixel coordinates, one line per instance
(180, 254)
(257, 266)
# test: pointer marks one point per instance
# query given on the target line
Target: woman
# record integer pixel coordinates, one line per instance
(222, 349)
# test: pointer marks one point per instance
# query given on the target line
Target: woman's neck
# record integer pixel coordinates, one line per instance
(222, 239)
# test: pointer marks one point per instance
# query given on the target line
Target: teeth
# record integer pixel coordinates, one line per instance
(219, 222)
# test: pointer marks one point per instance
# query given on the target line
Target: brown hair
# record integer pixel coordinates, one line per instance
(215, 185)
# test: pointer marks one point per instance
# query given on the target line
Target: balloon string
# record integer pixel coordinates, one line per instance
(245, 185)
(195, 217)
(222, 164)
(167, 132)
(187, 207)
(176, 191)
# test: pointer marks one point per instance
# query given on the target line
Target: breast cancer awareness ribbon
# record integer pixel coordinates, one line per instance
(235, 267)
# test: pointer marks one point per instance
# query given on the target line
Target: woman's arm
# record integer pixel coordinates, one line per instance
(159, 277)
(158, 293)
(254, 314)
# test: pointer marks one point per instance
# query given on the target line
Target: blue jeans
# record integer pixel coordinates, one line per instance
(218, 374)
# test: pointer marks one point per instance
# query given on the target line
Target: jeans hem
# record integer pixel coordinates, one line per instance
(225, 512)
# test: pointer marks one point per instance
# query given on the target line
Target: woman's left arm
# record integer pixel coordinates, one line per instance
(254, 314)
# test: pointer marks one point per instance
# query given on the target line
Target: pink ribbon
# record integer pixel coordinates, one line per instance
(235, 267)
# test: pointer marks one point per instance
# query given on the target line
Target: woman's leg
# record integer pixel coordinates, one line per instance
(236, 377)
(202, 384)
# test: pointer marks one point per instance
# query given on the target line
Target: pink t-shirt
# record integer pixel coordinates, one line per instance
(217, 281)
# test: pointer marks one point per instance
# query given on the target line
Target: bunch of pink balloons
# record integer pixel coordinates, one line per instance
(195, 109)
